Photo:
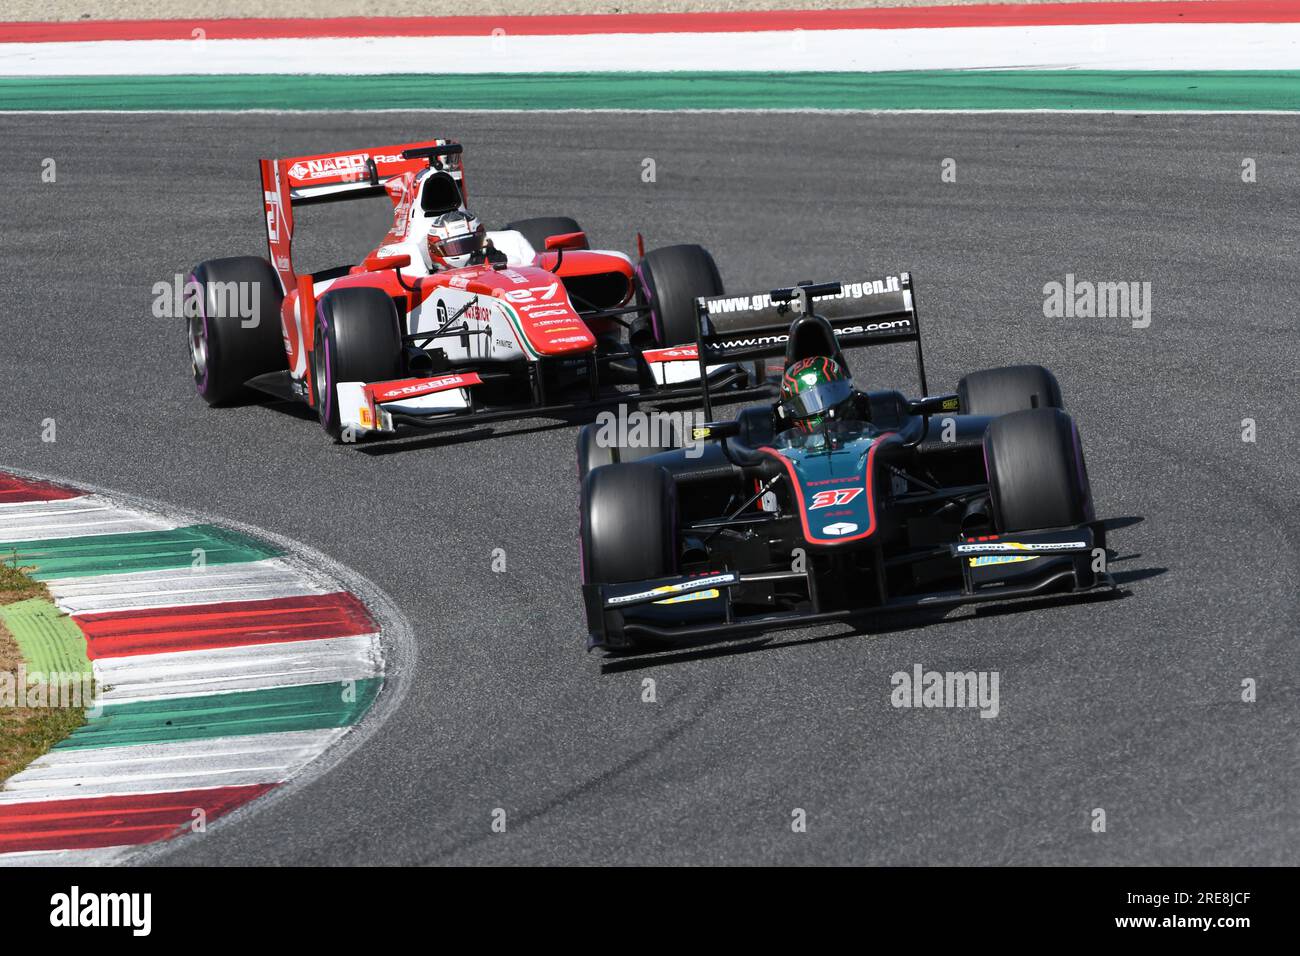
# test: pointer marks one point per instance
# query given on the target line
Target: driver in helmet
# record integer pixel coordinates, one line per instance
(458, 239)
(817, 393)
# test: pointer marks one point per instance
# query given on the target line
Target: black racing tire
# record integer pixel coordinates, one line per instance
(628, 515)
(1037, 475)
(537, 230)
(224, 352)
(668, 281)
(357, 339)
(593, 453)
(997, 391)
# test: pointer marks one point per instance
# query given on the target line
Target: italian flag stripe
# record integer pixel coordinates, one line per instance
(14, 489)
(965, 90)
(222, 665)
(186, 547)
(739, 21)
(1165, 56)
(278, 709)
(113, 821)
(238, 623)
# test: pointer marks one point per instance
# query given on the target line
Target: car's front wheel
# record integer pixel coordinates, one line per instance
(1013, 388)
(1037, 475)
(357, 339)
(628, 518)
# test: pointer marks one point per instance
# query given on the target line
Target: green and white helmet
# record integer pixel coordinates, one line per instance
(812, 390)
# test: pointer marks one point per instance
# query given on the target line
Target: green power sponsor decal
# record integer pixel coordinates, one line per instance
(193, 546)
(920, 89)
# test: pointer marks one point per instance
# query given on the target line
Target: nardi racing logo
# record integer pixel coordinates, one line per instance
(420, 388)
(329, 167)
(763, 300)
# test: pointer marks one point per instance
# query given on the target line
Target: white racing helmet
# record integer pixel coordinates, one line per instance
(454, 238)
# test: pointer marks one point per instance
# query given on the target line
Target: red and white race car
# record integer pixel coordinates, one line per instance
(536, 323)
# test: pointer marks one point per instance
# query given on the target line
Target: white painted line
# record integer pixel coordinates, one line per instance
(123, 680)
(1145, 46)
(6, 506)
(72, 517)
(213, 584)
(166, 768)
(101, 857)
(795, 110)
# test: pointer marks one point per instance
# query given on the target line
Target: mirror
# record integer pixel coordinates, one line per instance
(379, 263)
(567, 240)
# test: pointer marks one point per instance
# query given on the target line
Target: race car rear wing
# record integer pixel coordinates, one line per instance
(334, 177)
(738, 328)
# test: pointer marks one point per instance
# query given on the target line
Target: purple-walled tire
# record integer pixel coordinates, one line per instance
(668, 281)
(357, 339)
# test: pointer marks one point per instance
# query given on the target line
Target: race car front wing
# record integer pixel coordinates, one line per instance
(701, 605)
(448, 400)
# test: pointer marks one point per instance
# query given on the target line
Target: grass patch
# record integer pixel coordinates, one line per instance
(15, 585)
(25, 732)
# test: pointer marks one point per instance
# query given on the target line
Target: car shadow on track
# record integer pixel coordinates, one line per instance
(406, 442)
(285, 407)
(524, 425)
(414, 440)
(869, 625)
(411, 439)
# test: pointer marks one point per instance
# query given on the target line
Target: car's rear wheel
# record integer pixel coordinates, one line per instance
(668, 281)
(229, 341)
(539, 229)
(1037, 475)
(357, 339)
(595, 447)
(997, 391)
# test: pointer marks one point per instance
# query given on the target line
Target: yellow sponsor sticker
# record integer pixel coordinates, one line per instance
(683, 598)
(1000, 559)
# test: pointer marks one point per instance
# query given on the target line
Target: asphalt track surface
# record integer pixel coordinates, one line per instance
(1130, 704)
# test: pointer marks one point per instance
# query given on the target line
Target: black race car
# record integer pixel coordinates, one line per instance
(979, 495)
